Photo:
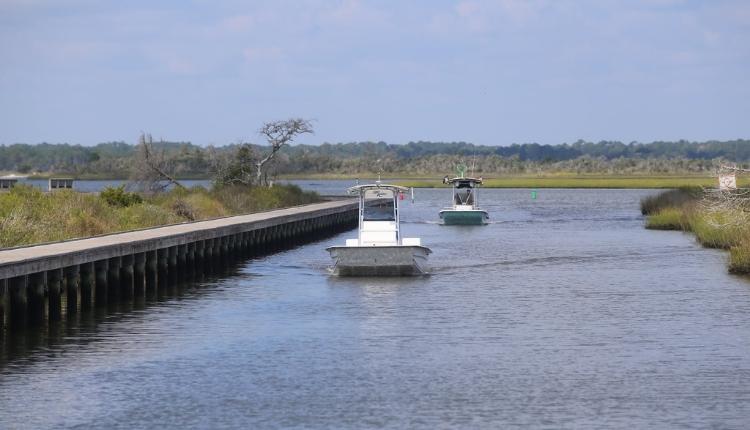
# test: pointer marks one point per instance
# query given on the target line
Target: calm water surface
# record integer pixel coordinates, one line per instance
(324, 187)
(562, 313)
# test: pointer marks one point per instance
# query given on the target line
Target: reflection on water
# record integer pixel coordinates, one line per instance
(563, 313)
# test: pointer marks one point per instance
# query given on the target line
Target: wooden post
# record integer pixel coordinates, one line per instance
(3, 304)
(18, 301)
(113, 280)
(127, 276)
(152, 272)
(72, 289)
(173, 273)
(35, 291)
(163, 265)
(200, 258)
(54, 294)
(88, 285)
(225, 247)
(209, 252)
(101, 290)
(182, 268)
(139, 274)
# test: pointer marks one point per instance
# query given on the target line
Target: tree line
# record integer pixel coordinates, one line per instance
(240, 160)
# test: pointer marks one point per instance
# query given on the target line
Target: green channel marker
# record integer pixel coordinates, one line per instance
(533, 194)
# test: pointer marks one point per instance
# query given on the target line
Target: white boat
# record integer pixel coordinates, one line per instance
(379, 249)
(465, 206)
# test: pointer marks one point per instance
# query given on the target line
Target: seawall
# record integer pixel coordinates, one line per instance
(50, 281)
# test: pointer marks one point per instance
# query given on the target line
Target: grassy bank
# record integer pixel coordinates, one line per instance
(713, 226)
(28, 215)
(565, 181)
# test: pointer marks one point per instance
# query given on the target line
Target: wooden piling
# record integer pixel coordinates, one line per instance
(152, 272)
(127, 276)
(113, 279)
(101, 290)
(182, 261)
(139, 274)
(54, 294)
(35, 292)
(3, 304)
(18, 301)
(72, 276)
(88, 285)
(163, 264)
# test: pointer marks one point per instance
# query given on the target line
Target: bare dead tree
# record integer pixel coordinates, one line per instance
(278, 134)
(152, 167)
(727, 204)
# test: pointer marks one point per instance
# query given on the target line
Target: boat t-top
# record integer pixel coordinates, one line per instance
(464, 209)
(379, 249)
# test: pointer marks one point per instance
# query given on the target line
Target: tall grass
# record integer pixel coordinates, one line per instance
(583, 181)
(670, 199)
(667, 219)
(739, 257)
(713, 228)
(28, 215)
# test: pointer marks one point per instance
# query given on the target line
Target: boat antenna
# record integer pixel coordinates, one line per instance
(380, 170)
(473, 162)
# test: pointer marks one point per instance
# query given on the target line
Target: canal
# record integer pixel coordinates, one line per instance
(562, 313)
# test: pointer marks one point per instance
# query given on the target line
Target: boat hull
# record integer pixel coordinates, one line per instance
(379, 260)
(463, 217)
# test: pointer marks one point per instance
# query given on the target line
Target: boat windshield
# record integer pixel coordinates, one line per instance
(464, 196)
(378, 210)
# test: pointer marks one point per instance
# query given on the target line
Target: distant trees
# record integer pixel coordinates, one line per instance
(246, 163)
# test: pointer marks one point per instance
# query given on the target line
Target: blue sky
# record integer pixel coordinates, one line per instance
(490, 72)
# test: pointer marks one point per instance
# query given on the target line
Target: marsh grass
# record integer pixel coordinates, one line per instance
(28, 215)
(713, 228)
(573, 181)
(739, 257)
(670, 199)
(666, 219)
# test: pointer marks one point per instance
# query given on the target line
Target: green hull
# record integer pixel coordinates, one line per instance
(475, 217)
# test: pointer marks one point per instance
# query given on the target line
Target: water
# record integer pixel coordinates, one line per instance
(562, 313)
(326, 187)
(96, 185)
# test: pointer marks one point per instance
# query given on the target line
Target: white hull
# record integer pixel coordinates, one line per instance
(396, 260)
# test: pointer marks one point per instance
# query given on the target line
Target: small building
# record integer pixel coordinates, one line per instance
(60, 184)
(7, 183)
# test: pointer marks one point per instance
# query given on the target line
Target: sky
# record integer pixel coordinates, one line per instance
(491, 72)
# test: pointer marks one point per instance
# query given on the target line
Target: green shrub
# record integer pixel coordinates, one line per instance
(117, 196)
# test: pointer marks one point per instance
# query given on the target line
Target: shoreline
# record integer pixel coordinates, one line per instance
(514, 181)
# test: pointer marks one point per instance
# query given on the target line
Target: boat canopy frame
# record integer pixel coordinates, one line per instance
(396, 191)
(459, 184)
(476, 181)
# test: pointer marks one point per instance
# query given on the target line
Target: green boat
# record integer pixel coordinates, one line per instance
(464, 210)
